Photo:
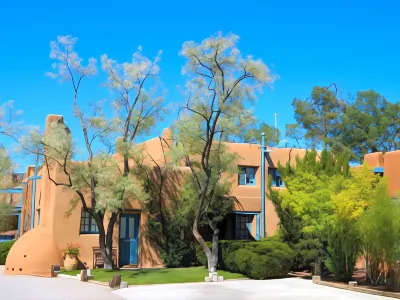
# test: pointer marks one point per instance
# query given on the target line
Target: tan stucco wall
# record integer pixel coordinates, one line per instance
(374, 159)
(249, 197)
(390, 161)
(391, 164)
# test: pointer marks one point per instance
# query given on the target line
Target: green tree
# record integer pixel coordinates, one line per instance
(9, 125)
(370, 124)
(379, 230)
(319, 116)
(221, 85)
(351, 196)
(305, 205)
(320, 210)
(102, 183)
(253, 135)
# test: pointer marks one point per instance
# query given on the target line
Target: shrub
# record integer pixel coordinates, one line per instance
(256, 259)
(4, 249)
(239, 261)
(201, 256)
(176, 253)
(226, 247)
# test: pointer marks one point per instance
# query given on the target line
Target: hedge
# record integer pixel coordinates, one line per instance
(255, 259)
(4, 249)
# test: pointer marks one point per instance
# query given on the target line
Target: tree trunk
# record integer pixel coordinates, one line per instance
(317, 266)
(106, 251)
(106, 242)
(213, 259)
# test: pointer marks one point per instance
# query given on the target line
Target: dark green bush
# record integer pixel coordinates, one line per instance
(4, 249)
(260, 260)
(200, 255)
(239, 261)
(256, 259)
(226, 247)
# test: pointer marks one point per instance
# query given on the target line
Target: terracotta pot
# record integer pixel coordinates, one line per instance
(70, 263)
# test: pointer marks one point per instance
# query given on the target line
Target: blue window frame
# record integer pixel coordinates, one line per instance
(379, 171)
(276, 177)
(247, 176)
(88, 224)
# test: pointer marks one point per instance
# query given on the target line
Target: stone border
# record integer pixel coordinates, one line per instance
(317, 280)
(137, 285)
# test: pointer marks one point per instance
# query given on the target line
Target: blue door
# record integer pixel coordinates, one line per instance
(128, 239)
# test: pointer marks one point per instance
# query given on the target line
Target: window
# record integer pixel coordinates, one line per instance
(379, 171)
(276, 177)
(243, 226)
(247, 176)
(88, 224)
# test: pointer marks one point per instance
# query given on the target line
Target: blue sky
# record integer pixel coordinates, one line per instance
(352, 43)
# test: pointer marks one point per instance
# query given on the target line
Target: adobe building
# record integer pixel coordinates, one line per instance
(386, 165)
(11, 193)
(46, 228)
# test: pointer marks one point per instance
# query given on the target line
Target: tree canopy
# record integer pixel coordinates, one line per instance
(221, 87)
(368, 123)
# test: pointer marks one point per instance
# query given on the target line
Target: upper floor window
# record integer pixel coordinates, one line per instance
(247, 176)
(379, 171)
(88, 224)
(276, 177)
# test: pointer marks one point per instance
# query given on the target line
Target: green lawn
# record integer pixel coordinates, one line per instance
(156, 276)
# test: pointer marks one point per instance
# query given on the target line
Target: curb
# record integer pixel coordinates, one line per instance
(358, 289)
(89, 281)
(98, 282)
(66, 276)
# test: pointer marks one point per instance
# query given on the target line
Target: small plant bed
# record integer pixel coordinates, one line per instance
(362, 287)
(157, 276)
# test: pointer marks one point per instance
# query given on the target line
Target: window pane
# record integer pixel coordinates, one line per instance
(251, 179)
(122, 228)
(84, 222)
(95, 227)
(251, 171)
(242, 179)
(272, 172)
(131, 228)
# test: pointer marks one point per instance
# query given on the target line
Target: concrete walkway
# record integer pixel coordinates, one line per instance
(278, 289)
(20, 287)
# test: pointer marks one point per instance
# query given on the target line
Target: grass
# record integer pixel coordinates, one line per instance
(157, 276)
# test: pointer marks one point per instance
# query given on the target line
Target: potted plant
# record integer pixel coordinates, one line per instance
(70, 255)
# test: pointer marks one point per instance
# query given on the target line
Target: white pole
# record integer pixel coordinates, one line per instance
(276, 124)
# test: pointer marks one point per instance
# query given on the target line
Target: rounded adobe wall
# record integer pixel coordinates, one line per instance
(391, 167)
(33, 254)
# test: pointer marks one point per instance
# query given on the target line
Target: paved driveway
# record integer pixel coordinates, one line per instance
(279, 289)
(20, 287)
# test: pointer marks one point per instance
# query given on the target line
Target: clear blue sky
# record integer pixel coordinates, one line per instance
(352, 43)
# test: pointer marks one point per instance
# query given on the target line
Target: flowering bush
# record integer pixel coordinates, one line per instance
(72, 250)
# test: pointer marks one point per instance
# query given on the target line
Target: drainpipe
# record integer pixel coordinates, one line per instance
(262, 184)
(34, 193)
